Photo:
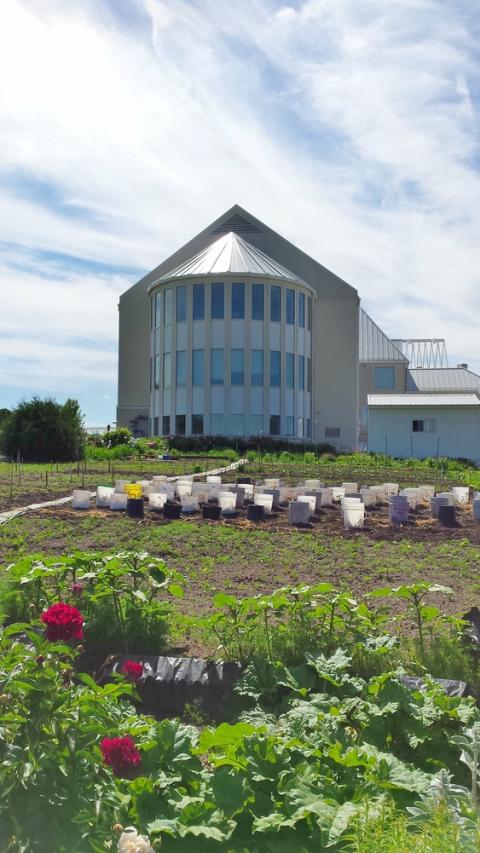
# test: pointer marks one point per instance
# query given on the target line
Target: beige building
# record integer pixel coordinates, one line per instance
(239, 332)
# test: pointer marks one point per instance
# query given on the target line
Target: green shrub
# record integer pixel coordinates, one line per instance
(44, 431)
(121, 435)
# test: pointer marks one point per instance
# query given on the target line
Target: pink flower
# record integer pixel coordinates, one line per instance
(132, 670)
(63, 622)
(121, 754)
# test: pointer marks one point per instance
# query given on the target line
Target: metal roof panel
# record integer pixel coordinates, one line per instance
(374, 345)
(442, 379)
(231, 255)
(423, 400)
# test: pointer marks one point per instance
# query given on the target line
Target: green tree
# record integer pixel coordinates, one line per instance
(43, 431)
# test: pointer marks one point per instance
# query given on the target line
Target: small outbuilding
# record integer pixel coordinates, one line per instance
(421, 425)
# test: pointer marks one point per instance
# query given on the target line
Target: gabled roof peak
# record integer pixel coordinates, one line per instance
(231, 255)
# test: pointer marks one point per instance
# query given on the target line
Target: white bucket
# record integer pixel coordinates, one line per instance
(183, 488)
(146, 486)
(264, 500)
(275, 493)
(120, 486)
(118, 501)
(247, 489)
(391, 488)
(103, 496)
(286, 494)
(214, 490)
(337, 492)
(461, 494)
(189, 504)
(227, 502)
(159, 478)
(368, 497)
(315, 493)
(157, 500)
(353, 516)
(350, 503)
(310, 500)
(213, 478)
(81, 499)
(272, 483)
(313, 485)
(326, 497)
(350, 487)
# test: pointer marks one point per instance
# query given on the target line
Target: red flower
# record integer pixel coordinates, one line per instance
(132, 670)
(77, 588)
(63, 622)
(121, 754)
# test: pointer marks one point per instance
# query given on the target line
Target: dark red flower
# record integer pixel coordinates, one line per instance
(77, 588)
(121, 754)
(63, 622)
(132, 670)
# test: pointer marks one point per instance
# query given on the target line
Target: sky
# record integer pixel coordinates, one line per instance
(127, 126)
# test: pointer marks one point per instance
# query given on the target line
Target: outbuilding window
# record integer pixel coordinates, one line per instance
(385, 378)
(424, 425)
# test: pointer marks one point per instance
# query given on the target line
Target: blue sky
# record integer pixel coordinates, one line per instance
(126, 126)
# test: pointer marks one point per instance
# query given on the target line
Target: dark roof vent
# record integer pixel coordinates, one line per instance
(237, 224)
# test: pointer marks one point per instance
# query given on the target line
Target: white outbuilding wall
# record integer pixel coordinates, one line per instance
(446, 425)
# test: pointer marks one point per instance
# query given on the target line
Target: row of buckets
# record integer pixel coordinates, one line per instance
(303, 501)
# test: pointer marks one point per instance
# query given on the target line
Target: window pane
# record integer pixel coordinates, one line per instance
(300, 427)
(216, 424)
(275, 304)
(167, 311)
(237, 367)
(274, 424)
(180, 425)
(291, 307)
(275, 371)
(290, 370)
(301, 309)
(155, 426)
(385, 377)
(417, 426)
(156, 375)
(309, 313)
(167, 369)
(309, 428)
(257, 367)
(181, 304)
(289, 425)
(197, 424)
(157, 308)
(198, 301)
(218, 299)
(256, 424)
(216, 366)
(257, 301)
(166, 425)
(181, 367)
(301, 372)
(236, 425)
(309, 374)
(197, 367)
(238, 301)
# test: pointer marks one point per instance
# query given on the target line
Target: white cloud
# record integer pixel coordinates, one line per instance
(349, 127)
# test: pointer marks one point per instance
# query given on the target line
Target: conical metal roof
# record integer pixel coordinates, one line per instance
(231, 255)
